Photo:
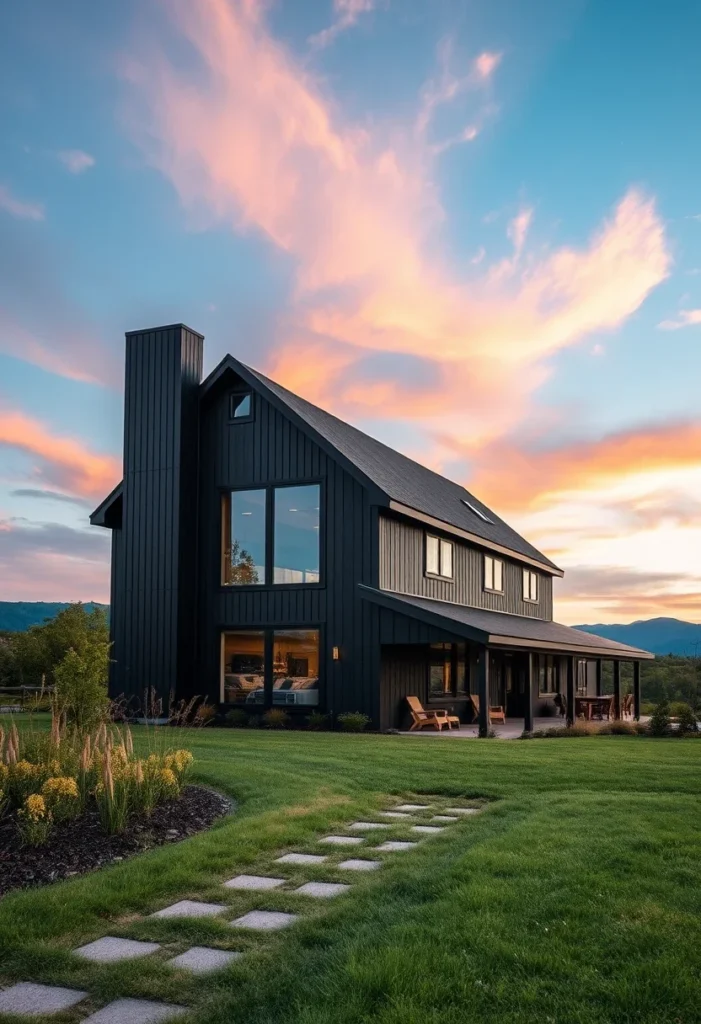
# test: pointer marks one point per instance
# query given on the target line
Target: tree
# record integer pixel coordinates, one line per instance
(243, 567)
(80, 681)
(41, 649)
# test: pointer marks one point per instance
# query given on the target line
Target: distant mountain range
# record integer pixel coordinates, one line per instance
(20, 615)
(660, 636)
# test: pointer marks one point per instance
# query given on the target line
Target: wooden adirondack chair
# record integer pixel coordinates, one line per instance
(496, 712)
(435, 718)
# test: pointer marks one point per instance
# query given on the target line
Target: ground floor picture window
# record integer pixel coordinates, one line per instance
(243, 668)
(296, 667)
(440, 674)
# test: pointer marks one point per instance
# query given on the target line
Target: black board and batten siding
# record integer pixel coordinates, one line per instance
(402, 571)
(270, 449)
(154, 557)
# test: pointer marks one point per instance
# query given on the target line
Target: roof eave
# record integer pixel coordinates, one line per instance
(619, 652)
(99, 516)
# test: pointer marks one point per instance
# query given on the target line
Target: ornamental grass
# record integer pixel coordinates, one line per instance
(51, 777)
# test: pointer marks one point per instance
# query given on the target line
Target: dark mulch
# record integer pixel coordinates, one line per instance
(75, 847)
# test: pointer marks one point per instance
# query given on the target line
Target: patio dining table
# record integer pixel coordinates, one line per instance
(594, 706)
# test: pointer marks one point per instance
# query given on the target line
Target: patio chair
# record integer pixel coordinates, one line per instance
(627, 706)
(496, 712)
(435, 718)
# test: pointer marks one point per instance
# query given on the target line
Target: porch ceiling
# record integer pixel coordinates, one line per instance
(498, 629)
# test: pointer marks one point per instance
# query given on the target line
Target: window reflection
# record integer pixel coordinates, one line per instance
(296, 667)
(440, 675)
(296, 536)
(243, 675)
(243, 522)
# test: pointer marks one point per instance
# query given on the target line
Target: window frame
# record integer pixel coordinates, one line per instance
(493, 560)
(531, 575)
(225, 504)
(268, 632)
(269, 488)
(241, 393)
(442, 542)
(453, 659)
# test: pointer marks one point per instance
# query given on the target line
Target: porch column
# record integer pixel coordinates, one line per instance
(528, 718)
(483, 681)
(636, 691)
(598, 677)
(616, 690)
(571, 717)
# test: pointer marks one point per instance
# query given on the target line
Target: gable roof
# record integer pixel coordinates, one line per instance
(407, 486)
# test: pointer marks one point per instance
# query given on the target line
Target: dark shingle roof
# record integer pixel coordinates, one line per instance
(501, 624)
(400, 478)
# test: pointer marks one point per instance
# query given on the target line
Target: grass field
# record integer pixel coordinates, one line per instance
(575, 896)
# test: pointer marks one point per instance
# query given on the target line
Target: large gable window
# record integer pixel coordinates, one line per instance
(296, 533)
(243, 537)
(439, 557)
(530, 585)
(493, 574)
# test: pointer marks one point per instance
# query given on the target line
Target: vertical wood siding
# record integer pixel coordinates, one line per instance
(402, 571)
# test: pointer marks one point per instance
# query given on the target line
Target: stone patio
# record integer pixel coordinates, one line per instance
(261, 883)
(322, 890)
(109, 950)
(191, 908)
(203, 960)
(135, 1011)
(264, 920)
(26, 998)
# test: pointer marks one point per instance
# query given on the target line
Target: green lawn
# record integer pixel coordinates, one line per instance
(574, 897)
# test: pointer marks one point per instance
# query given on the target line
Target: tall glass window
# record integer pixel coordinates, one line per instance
(243, 523)
(296, 667)
(243, 667)
(296, 534)
(440, 670)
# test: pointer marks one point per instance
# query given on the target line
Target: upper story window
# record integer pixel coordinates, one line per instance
(530, 585)
(493, 574)
(240, 405)
(439, 557)
(262, 548)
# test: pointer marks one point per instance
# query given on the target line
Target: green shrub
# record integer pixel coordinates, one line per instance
(353, 721)
(236, 718)
(647, 707)
(81, 686)
(317, 720)
(659, 722)
(685, 716)
(276, 718)
(254, 722)
(619, 728)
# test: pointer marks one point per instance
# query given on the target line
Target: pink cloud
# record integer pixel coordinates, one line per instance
(75, 354)
(347, 13)
(17, 207)
(486, 64)
(76, 160)
(685, 318)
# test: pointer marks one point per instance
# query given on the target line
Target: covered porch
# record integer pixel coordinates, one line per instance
(480, 665)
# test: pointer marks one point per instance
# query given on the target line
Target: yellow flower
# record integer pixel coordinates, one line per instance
(35, 807)
(168, 778)
(59, 788)
(23, 770)
(55, 767)
(4, 772)
(179, 761)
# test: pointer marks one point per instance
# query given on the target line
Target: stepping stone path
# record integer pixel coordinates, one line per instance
(135, 1011)
(342, 840)
(301, 858)
(257, 882)
(31, 1000)
(360, 865)
(191, 908)
(264, 920)
(203, 960)
(109, 950)
(323, 890)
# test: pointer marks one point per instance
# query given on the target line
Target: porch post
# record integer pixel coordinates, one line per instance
(528, 718)
(616, 690)
(484, 692)
(636, 691)
(571, 717)
(598, 677)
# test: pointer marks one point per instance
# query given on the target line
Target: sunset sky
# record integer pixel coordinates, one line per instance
(471, 228)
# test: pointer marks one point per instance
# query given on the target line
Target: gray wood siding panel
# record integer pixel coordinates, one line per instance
(401, 569)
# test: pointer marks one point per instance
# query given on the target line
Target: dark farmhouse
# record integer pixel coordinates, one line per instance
(265, 553)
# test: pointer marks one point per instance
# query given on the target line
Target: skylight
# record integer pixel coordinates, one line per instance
(477, 511)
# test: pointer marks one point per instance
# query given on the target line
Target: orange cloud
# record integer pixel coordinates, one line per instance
(59, 461)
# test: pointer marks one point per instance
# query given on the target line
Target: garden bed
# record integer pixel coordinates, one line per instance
(81, 845)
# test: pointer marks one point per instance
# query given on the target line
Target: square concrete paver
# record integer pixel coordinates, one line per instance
(444, 817)
(367, 826)
(413, 807)
(323, 890)
(428, 830)
(264, 920)
(135, 1011)
(396, 846)
(202, 959)
(342, 840)
(191, 908)
(395, 814)
(360, 865)
(108, 949)
(462, 810)
(301, 858)
(258, 882)
(30, 999)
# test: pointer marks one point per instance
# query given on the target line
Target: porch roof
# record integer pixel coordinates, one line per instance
(499, 629)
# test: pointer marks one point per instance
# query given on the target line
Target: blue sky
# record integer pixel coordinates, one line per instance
(459, 225)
